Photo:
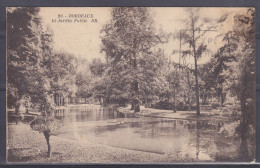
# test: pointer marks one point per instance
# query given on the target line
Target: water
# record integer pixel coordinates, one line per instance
(181, 139)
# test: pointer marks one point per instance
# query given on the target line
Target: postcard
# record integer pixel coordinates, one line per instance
(131, 85)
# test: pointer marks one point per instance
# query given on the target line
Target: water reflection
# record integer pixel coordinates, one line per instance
(17, 118)
(178, 139)
(175, 138)
(87, 113)
(197, 139)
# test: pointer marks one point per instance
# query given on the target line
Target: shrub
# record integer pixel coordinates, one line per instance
(164, 105)
(215, 105)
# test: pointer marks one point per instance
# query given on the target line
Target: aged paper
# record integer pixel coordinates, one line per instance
(130, 84)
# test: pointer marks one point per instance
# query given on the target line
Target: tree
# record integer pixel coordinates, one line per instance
(34, 70)
(83, 83)
(129, 37)
(96, 67)
(244, 29)
(219, 72)
(46, 124)
(62, 75)
(56, 73)
(151, 75)
(192, 36)
(174, 81)
(23, 53)
(225, 56)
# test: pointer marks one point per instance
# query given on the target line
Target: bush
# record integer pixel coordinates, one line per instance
(185, 107)
(215, 105)
(205, 103)
(165, 105)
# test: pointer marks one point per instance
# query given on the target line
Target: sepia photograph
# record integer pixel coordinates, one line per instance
(130, 85)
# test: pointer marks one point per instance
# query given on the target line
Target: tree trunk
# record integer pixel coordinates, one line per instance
(204, 97)
(136, 102)
(137, 107)
(57, 99)
(196, 72)
(47, 137)
(60, 100)
(63, 102)
(135, 88)
(243, 97)
(174, 108)
(54, 98)
(247, 92)
(221, 99)
(17, 107)
(197, 87)
(132, 105)
(18, 104)
(146, 103)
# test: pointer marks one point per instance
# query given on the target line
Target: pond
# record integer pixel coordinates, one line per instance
(178, 139)
(181, 139)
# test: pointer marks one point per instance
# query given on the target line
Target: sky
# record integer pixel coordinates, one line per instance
(83, 38)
